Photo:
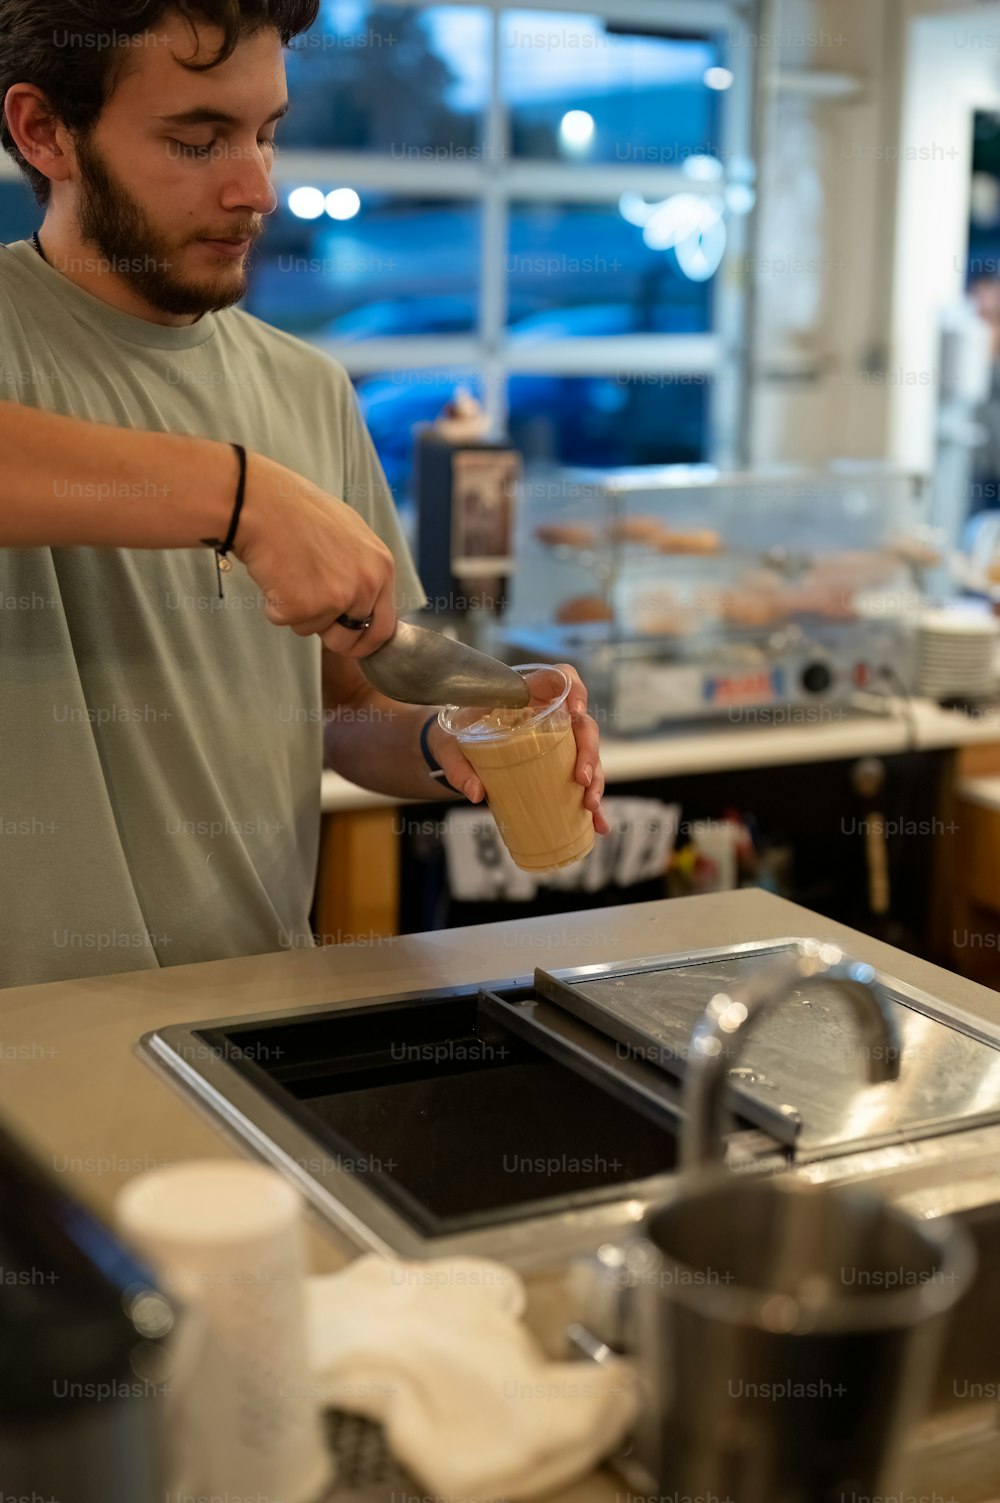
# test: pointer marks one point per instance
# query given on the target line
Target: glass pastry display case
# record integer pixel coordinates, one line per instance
(682, 592)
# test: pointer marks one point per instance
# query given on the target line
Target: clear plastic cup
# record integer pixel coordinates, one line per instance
(525, 760)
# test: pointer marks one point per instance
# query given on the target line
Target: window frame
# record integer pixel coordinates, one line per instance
(496, 181)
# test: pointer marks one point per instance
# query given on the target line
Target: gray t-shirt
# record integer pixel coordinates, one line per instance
(162, 750)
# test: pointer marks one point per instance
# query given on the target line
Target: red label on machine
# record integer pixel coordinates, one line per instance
(760, 687)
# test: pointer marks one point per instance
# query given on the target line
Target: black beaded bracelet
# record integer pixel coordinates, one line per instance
(434, 766)
(222, 548)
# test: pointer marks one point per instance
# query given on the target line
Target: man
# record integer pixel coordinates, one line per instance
(162, 752)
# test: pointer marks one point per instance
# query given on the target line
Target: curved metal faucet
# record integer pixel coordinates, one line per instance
(721, 1034)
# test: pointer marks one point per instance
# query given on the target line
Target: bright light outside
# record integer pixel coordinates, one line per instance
(718, 78)
(343, 203)
(702, 169)
(693, 227)
(689, 224)
(576, 130)
(699, 255)
(740, 198)
(677, 217)
(634, 208)
(588, 56)
(306, 203)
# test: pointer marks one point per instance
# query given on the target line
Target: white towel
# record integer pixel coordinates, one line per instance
(436, 1351)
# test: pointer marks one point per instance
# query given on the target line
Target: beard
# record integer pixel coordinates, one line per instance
(117, 224)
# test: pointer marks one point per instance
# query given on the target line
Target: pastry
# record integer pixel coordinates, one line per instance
(814, 599)
(705, 541)
(565, 535)
(582, 608)
(646, 530)
(666, 624)
(746, 609)
(916, 551)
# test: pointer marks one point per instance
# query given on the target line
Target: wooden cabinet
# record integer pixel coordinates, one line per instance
(357, 882)
(968, 886)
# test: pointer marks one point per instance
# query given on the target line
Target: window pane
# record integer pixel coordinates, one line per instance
(19, 213)
(394, 403)
(578, 269)
(394, 79)
(609, 420)
(627, 98)
(397, 266)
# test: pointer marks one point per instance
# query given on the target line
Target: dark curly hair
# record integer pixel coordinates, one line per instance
(73, 50)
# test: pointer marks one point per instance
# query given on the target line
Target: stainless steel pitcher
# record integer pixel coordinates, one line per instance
(786, 1336)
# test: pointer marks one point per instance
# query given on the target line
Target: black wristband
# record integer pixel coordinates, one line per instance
(436, 770)
(222, 548)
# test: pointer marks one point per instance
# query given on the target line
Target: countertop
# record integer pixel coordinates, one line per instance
(769, 737)
(73, 1088)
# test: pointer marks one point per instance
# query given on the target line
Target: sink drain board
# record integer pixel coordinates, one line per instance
(805, 1058)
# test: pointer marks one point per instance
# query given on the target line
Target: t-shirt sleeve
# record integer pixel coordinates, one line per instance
(368, 491)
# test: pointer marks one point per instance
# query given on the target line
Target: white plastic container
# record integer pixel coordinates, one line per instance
(225, 1238)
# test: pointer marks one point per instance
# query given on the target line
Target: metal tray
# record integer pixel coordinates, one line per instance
(801, 1077)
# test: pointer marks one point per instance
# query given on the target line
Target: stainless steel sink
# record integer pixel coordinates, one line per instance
(575, 1064)
(536, 1117)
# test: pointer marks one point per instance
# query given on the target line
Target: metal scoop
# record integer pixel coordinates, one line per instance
(421, 667)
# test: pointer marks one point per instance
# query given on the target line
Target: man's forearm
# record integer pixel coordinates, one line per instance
(375, 743)
(67, 482)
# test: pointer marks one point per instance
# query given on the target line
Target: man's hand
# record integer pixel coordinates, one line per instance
(589, 773)
(315, 559)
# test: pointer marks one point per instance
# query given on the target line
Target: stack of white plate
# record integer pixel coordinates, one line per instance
(956, 650)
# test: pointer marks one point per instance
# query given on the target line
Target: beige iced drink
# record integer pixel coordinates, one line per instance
(525, 760)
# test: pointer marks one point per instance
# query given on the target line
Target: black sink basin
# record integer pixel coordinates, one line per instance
(455, 1119)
